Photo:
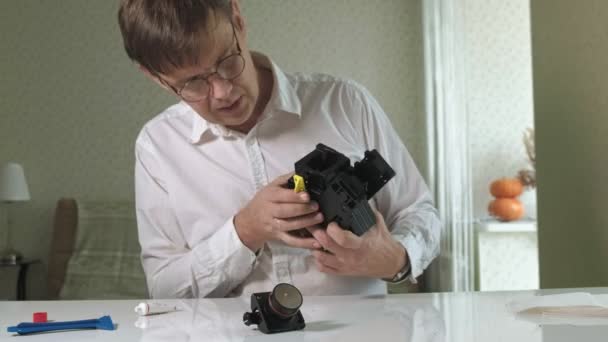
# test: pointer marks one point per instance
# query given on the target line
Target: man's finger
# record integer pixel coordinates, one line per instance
(379, 219)
(294, 210)
(328, 259)
(298, 242)
(327, 242)
(344, 238)
(326, 269)
(282, 179)
(285, 195)
(298, 222)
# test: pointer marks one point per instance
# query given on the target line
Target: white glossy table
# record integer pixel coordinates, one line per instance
(480, 316)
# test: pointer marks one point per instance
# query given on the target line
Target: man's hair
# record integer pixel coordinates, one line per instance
(162, 35)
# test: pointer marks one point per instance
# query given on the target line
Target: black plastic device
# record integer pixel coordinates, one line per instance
(276, 311)
(342, 190)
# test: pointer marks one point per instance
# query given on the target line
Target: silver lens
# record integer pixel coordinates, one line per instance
(285, 300)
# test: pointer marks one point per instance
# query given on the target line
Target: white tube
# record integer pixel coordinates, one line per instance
(144, 309)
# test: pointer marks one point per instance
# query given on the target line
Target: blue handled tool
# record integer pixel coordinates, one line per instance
(104, 323)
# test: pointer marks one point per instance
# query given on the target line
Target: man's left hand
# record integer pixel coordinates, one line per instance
(374, 254)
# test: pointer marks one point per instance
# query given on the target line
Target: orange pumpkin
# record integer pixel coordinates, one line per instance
(506, 187)
(506, 209)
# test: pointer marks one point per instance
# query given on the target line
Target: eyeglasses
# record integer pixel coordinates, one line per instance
(227, 68)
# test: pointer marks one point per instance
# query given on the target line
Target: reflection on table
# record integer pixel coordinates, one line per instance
(410, 317)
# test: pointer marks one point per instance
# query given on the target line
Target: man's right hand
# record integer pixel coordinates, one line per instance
(275, 211)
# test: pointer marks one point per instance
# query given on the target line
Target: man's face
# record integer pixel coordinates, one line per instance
(230, 103)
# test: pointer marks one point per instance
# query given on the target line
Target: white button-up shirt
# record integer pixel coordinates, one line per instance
(192, 177)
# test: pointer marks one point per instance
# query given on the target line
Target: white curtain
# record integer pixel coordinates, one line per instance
(449, 173)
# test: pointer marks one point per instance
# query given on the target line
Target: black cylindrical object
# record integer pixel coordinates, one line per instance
(285, 300)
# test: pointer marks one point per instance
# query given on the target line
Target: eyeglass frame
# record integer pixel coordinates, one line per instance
(205, 78)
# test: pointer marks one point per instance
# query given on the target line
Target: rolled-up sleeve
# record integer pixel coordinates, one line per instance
(173, 268)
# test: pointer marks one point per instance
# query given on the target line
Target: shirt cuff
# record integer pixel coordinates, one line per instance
(403, 274)
(414, 252)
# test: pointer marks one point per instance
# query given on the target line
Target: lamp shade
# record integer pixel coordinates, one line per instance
(13, 186)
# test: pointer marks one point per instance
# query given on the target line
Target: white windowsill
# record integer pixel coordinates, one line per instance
(495, 226)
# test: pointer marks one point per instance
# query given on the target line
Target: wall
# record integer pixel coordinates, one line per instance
(71, 107)
(570, 49)
(71, 103)
(377, 43)
(499, 91)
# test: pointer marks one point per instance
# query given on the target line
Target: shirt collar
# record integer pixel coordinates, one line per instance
(283, 99)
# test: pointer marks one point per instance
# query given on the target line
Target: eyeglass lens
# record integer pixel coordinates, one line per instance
(228, 69)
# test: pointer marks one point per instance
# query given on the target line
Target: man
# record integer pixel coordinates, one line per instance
(214, 216)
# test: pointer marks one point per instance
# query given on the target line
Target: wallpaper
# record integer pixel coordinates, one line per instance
(377, 43)
(71, 103)
(499, 91)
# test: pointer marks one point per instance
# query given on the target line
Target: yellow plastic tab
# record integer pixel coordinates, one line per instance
(298, 182)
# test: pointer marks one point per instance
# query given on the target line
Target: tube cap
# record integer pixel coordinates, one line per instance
(39, 317)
